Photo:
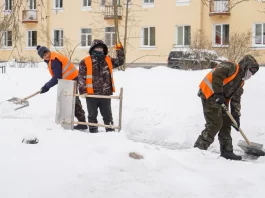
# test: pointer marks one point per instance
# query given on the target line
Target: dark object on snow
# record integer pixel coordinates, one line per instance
(250, 148)
(30, 140)
(135, 155)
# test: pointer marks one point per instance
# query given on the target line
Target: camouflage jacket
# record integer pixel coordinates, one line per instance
(101, 74)
(232, 90)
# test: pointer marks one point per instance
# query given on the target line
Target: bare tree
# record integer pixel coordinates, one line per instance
(69, 46)
(125, 34)
(200, 54)
(239, 45)
(229, 4)
(10, 25)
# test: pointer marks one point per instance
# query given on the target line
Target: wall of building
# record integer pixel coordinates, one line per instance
(165, 17)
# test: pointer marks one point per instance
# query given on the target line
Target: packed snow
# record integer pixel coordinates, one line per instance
(162, 118)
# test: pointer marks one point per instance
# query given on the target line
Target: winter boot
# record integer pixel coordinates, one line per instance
(201, 144)
(80, 127)
(109, 129)
(230, 155)
(93, 129)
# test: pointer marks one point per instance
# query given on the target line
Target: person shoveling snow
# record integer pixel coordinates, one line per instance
(224, 85)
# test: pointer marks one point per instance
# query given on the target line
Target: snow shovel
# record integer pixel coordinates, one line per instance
(23, 101)
(250, 148)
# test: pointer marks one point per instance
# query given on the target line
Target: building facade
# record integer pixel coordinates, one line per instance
(154, 26)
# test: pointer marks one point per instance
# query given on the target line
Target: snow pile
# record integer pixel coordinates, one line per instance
(162, 118)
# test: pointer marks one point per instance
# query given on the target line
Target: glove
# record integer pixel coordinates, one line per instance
(44, 89)
(118, 46)
(237, 119)
(219, 98)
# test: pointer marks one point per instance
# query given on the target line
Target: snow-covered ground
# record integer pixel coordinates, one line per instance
(162, 118)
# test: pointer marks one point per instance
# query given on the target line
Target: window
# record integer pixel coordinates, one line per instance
(86, 37)
(86, 3)
(183, 35)
(110, 36)
(32, 38)
(32, 4)
(8, 4)
(148, 1)
(58, 38)
(118, 2)
(148, 36)
(183, 2)
(221, 34)
(103, 2)
(259, 34)
(7, 39)
(58, 4)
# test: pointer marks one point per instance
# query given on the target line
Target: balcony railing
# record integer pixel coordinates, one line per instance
(219, 7)
(29, 16)
(109, 12)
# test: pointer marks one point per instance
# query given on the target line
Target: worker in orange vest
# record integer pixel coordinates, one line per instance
(96, 78)
(223, 85)
(60, 67)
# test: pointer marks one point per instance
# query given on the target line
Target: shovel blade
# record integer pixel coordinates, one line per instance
(19, 101)
(252, 149)
(16, 100)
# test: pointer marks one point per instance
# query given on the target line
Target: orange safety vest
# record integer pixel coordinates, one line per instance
(89, 75)
(206, 84)
(69, 71)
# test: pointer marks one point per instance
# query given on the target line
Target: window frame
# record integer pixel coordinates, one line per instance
(149, 37)
(8, 5)
(113, 36)
(86, 34)
(58, 8)
(61, 40)
(214, 35)
(30, 31)
(5, 39)
(262, 44)
(183, 37)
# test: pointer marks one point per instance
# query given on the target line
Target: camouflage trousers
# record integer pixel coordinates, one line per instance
(79, 112)
(216, 121)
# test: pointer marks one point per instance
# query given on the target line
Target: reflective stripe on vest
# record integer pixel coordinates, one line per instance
(206, 84)
(69, 71)
(89, 76)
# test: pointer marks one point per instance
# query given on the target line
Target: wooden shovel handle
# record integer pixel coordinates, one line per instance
(32, 95)
(235, 123)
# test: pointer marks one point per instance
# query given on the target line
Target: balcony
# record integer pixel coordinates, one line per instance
(219, 7)
(109, 12)
(29, 16)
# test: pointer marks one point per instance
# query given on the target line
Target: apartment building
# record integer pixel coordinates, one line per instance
(154, 26)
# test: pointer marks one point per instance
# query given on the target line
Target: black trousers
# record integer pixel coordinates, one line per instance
(104, 105)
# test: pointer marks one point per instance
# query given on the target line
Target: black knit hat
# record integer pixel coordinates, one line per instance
(42, 50)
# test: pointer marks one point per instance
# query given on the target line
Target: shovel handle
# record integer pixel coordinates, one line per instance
(235, 123)
(32, 95)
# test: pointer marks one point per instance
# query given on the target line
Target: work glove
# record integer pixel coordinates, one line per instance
(44, 89)
(118, 46)
(237, 119)
(219, 98)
